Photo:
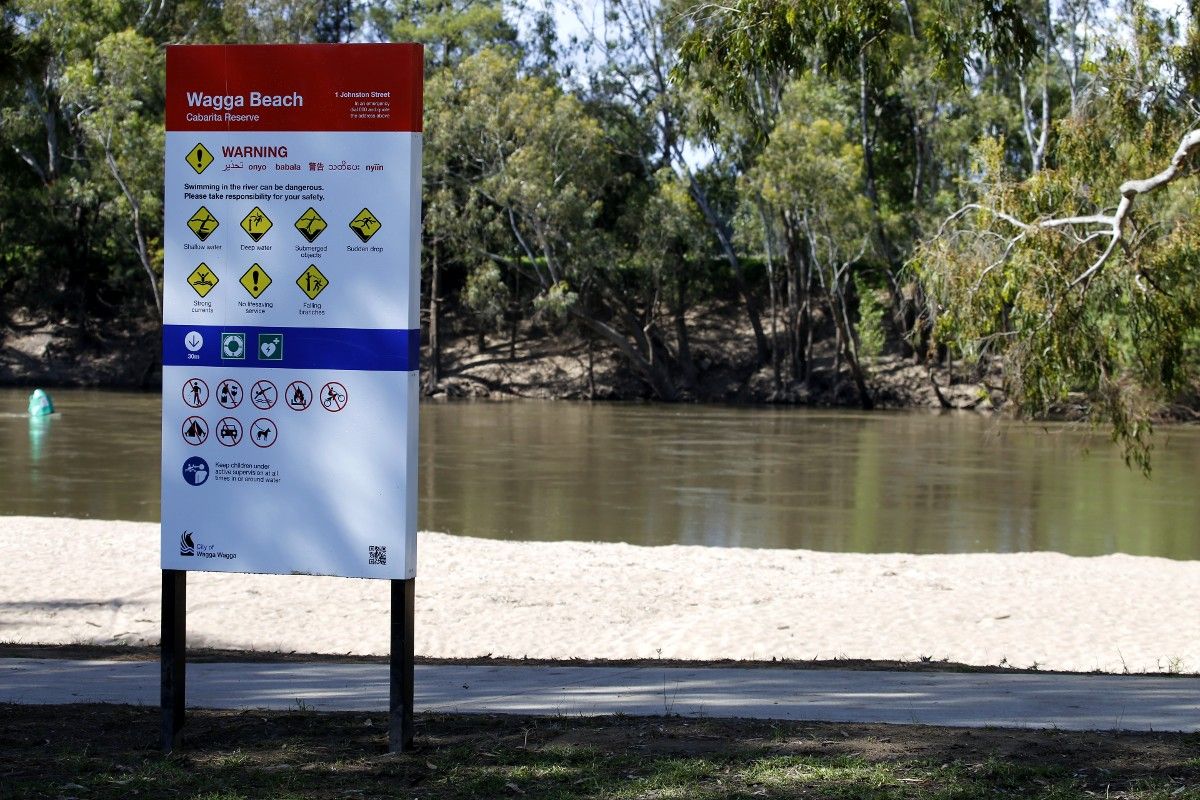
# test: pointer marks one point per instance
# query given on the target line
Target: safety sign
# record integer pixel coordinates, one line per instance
(256, 224)
(255, 281)
(233, 346)
(263, 432)
(229, 393)
(333, 396)
(312, 282)
(311, 224)
(264, 395)
(199, 158)
(195, 393)
(289, 424)
(195, 430)
(299, 395)
(229, 431)
(365, 225)
(202, 223)
(270, 347)
(203, 280)
(195, 471)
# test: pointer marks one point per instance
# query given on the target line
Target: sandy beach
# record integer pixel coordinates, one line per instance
(66, 581)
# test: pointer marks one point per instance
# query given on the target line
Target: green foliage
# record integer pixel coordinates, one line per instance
(1014, 275)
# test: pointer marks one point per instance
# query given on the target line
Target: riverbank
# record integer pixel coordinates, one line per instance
(67, 581)
(536, 364)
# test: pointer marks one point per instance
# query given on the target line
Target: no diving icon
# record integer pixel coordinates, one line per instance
(263, 394)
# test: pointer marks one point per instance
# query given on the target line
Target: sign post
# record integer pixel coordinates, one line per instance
(291, 328)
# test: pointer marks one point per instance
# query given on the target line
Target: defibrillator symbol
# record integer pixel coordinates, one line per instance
(203, 223)
(199, 158)
(256, 280)
(256, 223)
(365, 225)
(310, 225)
(312, 282)
(203, 280)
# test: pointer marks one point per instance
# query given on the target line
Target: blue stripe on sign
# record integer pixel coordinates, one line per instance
(302, 348)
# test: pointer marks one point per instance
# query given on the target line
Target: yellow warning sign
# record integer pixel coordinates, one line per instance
(365, 225)
(256, 280)
(256, 223)
(310, 224)
(199, 158)
(203, 280)
(312, 282)
(203, 223)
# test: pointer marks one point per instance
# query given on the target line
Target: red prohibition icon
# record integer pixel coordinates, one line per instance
(334, 396)
(263, 394)
(263, 432)
(195, 431)
(229, 393)
(195, 392)
(229, 431)
(298, 395)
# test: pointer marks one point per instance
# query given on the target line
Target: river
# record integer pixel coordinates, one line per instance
(658, 474)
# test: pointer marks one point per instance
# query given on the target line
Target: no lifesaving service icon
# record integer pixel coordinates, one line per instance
(198, 158)
(202, 223)
(255, 281)
(203, 280)
(256, 224)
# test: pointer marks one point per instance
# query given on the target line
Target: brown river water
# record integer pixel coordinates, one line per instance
(656, 474)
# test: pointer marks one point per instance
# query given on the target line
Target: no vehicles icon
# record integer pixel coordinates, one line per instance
(229, 431)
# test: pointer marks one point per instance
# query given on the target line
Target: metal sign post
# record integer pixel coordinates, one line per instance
(291, 327)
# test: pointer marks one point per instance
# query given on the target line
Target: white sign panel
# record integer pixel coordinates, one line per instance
(291, 327)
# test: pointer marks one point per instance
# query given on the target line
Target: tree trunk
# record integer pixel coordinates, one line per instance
(435, 344)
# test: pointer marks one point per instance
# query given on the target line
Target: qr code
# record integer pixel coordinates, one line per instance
(377, 553)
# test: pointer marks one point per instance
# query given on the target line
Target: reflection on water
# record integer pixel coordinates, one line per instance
(748, 477)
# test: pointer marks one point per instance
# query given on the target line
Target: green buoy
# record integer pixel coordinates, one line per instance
(40, 404)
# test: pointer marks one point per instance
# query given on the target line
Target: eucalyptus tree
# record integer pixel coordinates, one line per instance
(1083, 276)
(540, 199)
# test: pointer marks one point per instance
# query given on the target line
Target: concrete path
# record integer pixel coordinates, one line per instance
(1074, 702)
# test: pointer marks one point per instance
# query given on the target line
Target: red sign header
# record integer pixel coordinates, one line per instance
(295, 87)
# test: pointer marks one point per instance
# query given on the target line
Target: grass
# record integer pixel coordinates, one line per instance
(101, 751)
